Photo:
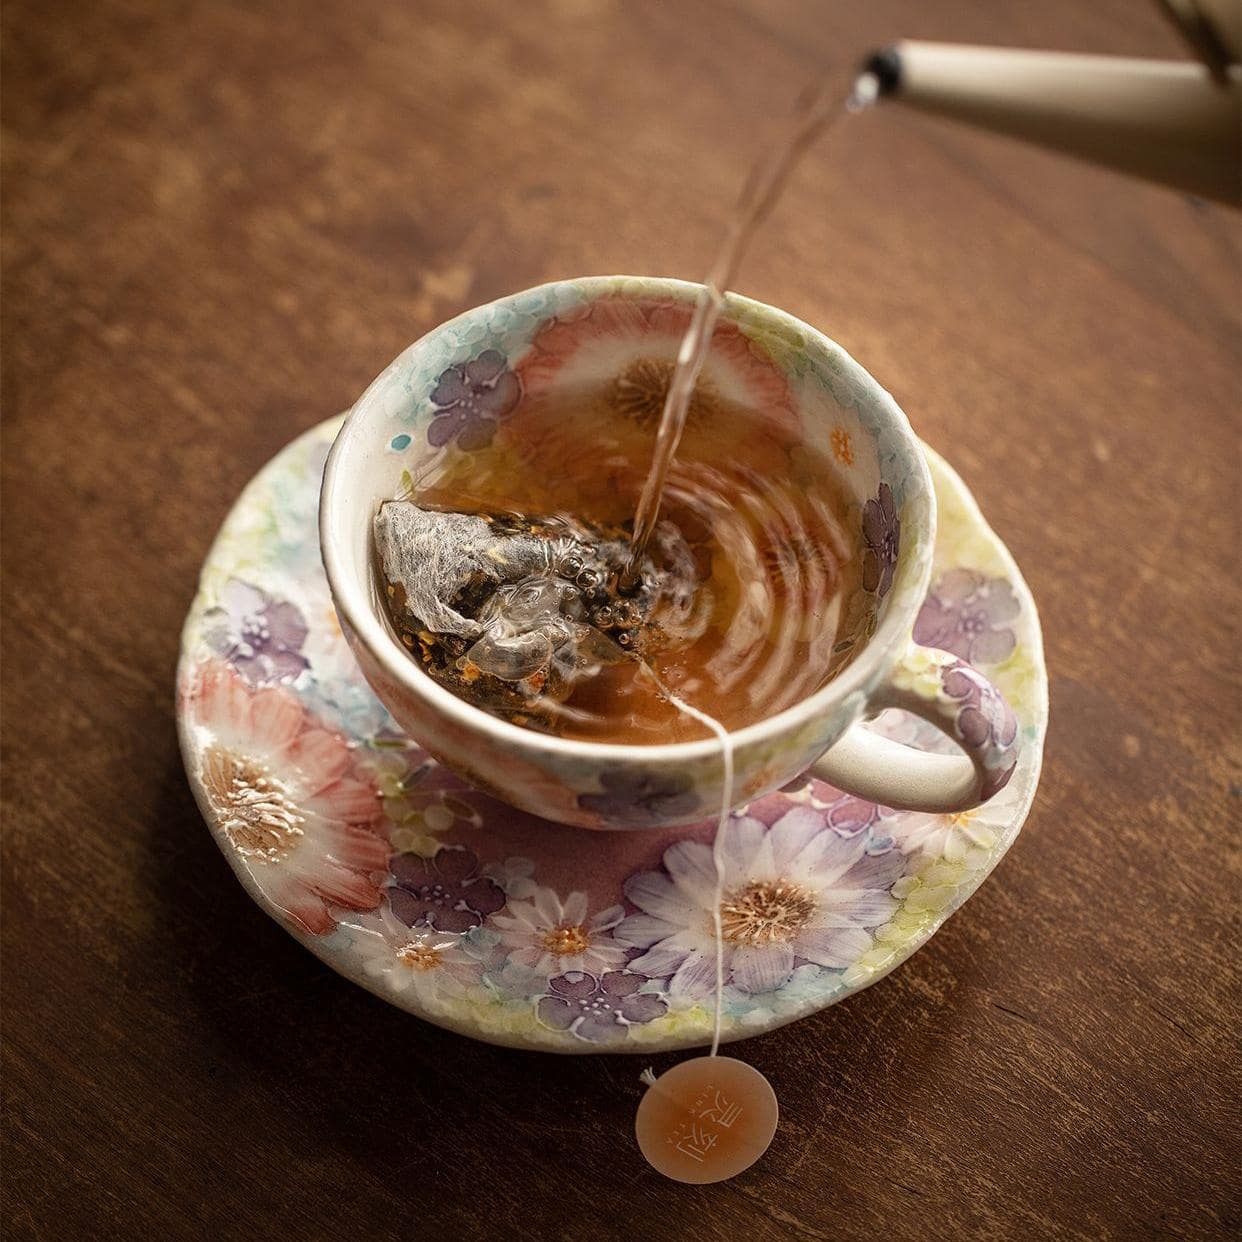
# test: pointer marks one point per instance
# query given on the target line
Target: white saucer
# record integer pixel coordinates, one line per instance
(487, 921)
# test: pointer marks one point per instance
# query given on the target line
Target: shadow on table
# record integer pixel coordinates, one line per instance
(283, 1056)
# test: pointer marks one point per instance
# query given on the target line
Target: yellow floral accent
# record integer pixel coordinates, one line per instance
(927, 896)
(517, 1020)
(919, 671)
(419, 957)
(786, 346)
(412, 837)
(969, 841)
(1022, 684)
(695, 1022)
(842, 446)
(331, 623)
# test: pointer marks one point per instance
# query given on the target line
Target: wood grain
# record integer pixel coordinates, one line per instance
(220, 220)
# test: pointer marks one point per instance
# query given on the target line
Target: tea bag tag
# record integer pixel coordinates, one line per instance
(705, 1120)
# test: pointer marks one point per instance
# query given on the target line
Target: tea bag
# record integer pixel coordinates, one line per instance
(511, 612)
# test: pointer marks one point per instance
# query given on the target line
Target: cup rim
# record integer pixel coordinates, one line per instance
(352, 597)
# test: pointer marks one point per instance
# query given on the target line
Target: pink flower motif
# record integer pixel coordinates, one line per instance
(796, 891)
(636, 340)
(956, 838)
(850, 815)
(288, 797)
(431, 964)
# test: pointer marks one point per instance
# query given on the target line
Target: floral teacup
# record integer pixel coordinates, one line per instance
(477, 377)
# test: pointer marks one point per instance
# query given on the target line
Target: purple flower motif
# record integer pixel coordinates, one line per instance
(637, 797)
(882, 533)
(849, 815)
(446, 892)
(983, 720)
(598, 1010)
(984, 717)
(966, 614)
(259, 636)
(472, 399)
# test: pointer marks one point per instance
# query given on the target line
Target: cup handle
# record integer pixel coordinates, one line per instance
(958, 700)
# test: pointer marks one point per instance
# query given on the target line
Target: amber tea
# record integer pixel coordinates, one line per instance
(505, 573)
(629, 583)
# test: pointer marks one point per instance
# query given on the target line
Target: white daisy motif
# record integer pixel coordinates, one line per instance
(795, 892)
(966, 836)
(431, 964)
(553, 937)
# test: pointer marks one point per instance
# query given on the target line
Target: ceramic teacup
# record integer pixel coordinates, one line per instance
(469, 382)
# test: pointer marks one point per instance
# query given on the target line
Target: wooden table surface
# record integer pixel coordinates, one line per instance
(220, 221)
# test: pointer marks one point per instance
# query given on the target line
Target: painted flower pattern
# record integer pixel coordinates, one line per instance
(292, 758)
(423, 800)
(555, 937)
(598, 1009)
(882, 539)
(970, 615)
(849, 815)
(920, 672)
(471, 399)
(616, 356)
(984, 717)
(965, 836)
(984, 721)
(259, 636)
(636, 341)
(637, 797)
(796, 891)
(447, 892)
(842, 446)
(428, 963)
(288, 797)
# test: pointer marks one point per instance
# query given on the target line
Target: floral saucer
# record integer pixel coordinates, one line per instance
(507, 928)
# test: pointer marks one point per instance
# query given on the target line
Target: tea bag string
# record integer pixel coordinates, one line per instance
(726, 801)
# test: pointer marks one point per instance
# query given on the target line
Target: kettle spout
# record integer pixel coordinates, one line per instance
(1168, 121)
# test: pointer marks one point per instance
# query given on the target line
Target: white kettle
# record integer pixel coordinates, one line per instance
(1177, 122)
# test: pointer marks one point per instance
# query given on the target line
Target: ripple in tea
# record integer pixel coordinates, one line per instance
(506, 577)
(578, 595)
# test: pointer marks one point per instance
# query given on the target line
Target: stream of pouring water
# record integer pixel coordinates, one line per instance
(820, 111)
